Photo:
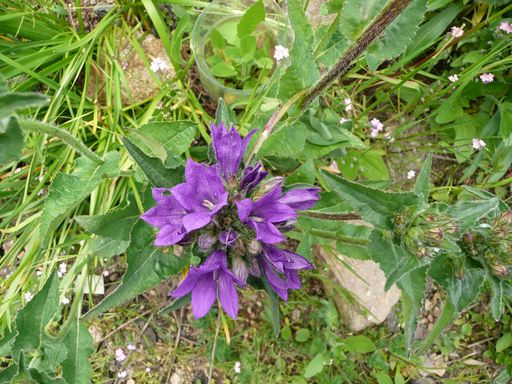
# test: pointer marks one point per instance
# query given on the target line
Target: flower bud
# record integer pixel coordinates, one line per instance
(228, 237)
(206, 241)
(254, 247)
(267, 186)
(239, 270)
(499, 270)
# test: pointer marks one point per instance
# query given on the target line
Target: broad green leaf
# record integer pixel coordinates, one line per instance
(158, 175)
(7, 374)
(316, 365)
(463, 284)
(7, 340)
(229, 32)
(288, 141)
(68, 191)
(303, 72)
(467, 213)
(304, 174)
(32, 320)
(397, 35)
(76, 367)
(113, 229)
(11, 140)
(302, 335)
(422, 185)
(10, 102)
(360, 344)
(251, 18)
(223, 69)
(383, 378)
(376, 207)
(367, 163)
(164, 139)
(147, 266)
(357, 15)
(217, 40)
(504, 342)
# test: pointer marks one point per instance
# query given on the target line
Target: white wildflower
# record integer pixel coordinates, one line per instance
(453, 78)
(281, 53)
(478, 144)
(63, 268)
(120, 356)
(348, 104)
(457, 32)
(343, 120)
(106, 273)
(131, 347)
(487, 78)
(506, 27)
(28, 296)
(122, 374)
(411, 174)
(237, 367)
(159, 64)
(148, 369)
(65, 300)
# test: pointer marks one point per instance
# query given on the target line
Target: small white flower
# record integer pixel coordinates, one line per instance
(65, 300)
(158, 64)
(343, 120)
(478, 144)
(62, 270)
(237, 367)
(106, 273)
(506, 27)
(120, 356)
(487, 78)
(281, 52)
(148, 369)
(411, 174)
(17, 170)
(39, 273)
(131, 347)
(28, 296)
(453, 78)
(374, 133)
(348, 104)
(457, 31)
(122, 374)
(376, 124)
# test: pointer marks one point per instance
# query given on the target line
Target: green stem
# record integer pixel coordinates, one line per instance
(334, 236)
(331, 216)
(65, 136)
(217, 328)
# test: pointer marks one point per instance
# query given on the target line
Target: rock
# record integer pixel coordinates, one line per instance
(371, 304)
(177, 377)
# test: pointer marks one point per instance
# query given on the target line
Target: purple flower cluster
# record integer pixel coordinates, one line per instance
(236, 218)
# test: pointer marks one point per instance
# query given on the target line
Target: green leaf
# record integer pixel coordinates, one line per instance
(360, 344)
(376, 207)
(251, 18)
(32, 320)
(397, 35)
(11, 141)
(76, 367)
(157, 174)
(383, 378)
(303, 174)
(467, 213)
(288, 141)
(113, 229)
(316, 365)
(303, 72)
(422, 185)
(229, 32)
(147, 266)
(273, 304)
(357, 15)
(497, 302)
(222, 114)
(8, 373)
(506, 122)
(10, 102)
(504, 342)
(180, 302)
(68, 191)
(302, 335)
(223, 70)
(217, 40)
(7, 340)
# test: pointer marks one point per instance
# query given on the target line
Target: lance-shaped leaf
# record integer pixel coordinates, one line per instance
(11, 101)
(422, 185)
(68, 191)
(147, 266)
(11, 140)
(76, 367)
(376, 206)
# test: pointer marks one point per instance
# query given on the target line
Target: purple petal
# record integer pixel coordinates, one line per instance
(187, 285)
(289, 260)
(159, 196)
(196, 220)
(293, 280)
(277, 284)
(169, 235)
(184, 194)
(275, 212)
(252, 176)
(244, 209)
(300, 199)
(203, 295)
(227, 295)
(216, 260)
(270, 197)
(267, 232)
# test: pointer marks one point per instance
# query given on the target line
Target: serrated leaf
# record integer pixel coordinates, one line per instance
(303, 72)
(288, 141)
(147, 266)
(467, 213)
(10, 102)
(357, 15)
(376, 207)
(32, 319)
(157, 174)
(251, 18)
(68, 191)
(422, 185)
(397, 35)
(11, 140)
(76, 367)
(497, 302)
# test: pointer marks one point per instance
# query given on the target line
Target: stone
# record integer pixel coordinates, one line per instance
(364, 280)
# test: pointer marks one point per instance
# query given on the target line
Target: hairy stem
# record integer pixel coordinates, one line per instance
(385, 18)
(65, 136)
(331, 216)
